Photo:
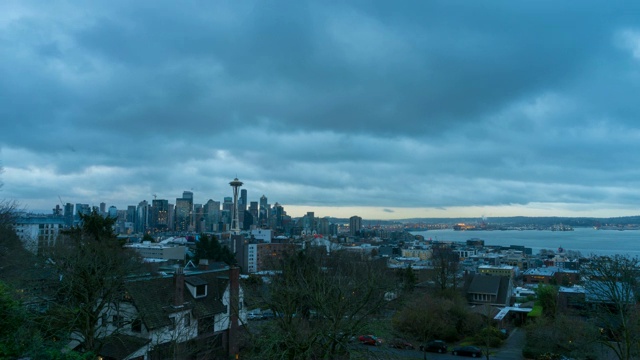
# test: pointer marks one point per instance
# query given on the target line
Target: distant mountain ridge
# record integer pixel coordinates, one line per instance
(512, 220)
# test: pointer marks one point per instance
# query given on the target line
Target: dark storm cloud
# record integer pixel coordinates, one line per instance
(435, 104)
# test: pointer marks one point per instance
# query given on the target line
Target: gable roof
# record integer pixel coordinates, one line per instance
(153, 298)
(498, 286)
(485, 284)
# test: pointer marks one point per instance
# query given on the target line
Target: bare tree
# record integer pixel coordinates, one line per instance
(319, 302)
(7, 208)
(445, 267)
(611, 284)
(428, 317)
(561, 336)
(91, 267)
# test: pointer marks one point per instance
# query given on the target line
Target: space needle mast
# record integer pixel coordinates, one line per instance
(235, 219)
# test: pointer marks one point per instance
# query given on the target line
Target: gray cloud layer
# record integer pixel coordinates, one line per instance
(438, 104)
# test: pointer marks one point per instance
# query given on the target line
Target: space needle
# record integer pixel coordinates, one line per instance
(235, 219)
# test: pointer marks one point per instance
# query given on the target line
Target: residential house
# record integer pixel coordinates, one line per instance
(195, 315)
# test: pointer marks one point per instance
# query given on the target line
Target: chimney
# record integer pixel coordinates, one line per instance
(203, 264)
(234, 309)
(178, 286)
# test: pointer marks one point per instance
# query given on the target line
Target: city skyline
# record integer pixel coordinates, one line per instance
(380, 110)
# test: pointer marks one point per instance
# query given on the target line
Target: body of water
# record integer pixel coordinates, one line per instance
(585, 240)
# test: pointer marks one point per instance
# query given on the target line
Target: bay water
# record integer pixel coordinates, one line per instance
(587, 241)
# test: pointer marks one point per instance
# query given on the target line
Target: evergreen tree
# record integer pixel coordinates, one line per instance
(208, 247)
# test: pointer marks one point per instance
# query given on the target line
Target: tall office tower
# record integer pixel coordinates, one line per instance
(198, 218)
(83, 209)
(253, 209)
(333, 229)
(68, 214)
(247, 220)
(242, 207)
(160, 214)
(278, 214)
(243, 200)
(211, 215)
(225, 220)
(355, 225)
(103, 208)
(235, 218)
(171, 218)
(142, 217)
(122, 227)
(323, 226)
(263, 215)
(227, 204)
(187, 195)
(113, 212)
(309, 222)
(57, 211)
(184, 209)
(131, 214)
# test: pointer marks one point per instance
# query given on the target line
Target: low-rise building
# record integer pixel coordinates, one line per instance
(149, 250)
(498, 270)
(38, 232)
(491, 290)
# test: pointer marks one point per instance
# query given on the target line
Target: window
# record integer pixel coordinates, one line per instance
(136, 325)
(201, 290)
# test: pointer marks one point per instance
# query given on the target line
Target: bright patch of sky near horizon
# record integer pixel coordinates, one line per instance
(376, 109)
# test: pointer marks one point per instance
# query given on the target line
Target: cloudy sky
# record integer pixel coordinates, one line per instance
(378, 109)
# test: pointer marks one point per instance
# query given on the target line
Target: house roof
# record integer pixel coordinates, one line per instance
(483, 284)
(154, 297)
(499, 286)
(195, 281)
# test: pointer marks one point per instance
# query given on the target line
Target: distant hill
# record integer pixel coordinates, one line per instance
(528, 220)
(513, 221)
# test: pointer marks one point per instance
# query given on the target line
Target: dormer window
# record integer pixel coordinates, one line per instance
(197, 287)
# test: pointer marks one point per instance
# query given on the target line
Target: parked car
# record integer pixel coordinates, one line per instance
(438, 346)
(472, 351)
(369, 340)
(401, 344)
